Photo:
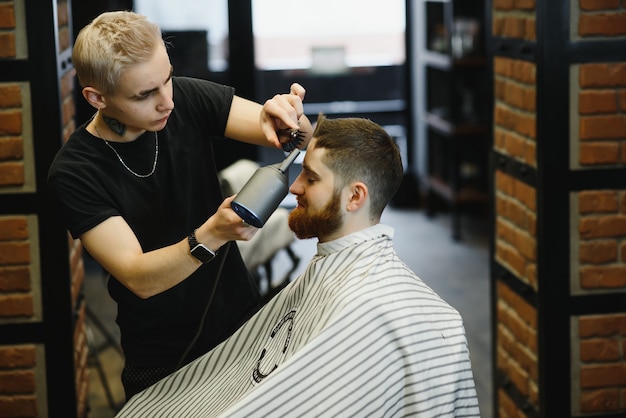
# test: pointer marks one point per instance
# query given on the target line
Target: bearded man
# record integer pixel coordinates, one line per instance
(358, 333)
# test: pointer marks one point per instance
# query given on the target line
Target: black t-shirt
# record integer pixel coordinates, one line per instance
(90, 184)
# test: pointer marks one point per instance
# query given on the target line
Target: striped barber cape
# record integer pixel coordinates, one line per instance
(357, 334)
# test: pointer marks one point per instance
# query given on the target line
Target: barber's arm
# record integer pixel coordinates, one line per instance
(115, 247)
(258, 124)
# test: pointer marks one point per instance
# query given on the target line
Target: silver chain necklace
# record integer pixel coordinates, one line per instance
(119, 157)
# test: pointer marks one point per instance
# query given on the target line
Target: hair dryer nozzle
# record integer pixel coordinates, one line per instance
(263, 192)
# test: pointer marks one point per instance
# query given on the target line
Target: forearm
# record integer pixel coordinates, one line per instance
(255, 124)
(243, 122)
(248, 129)
(145, 274)
(116, 248)
(157, 271)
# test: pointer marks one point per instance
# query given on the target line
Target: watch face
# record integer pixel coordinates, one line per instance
(202, 253)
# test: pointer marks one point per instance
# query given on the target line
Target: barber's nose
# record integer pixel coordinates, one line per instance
(166, 102)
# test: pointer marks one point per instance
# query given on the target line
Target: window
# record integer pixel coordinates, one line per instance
(192, 15)
(328, 35)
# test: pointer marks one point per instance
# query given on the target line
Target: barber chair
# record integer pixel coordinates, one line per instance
(260, 252)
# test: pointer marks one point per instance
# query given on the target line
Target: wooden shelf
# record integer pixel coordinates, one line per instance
(452, 126)
(446, 62)
(463, 195)
(446, 127)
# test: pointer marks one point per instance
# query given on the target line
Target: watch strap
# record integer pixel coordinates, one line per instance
(192, 240)
(198, 250)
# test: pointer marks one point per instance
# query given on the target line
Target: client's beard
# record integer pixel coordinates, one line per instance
(320, 223)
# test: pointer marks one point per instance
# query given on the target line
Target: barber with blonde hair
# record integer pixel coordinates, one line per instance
(137, 183)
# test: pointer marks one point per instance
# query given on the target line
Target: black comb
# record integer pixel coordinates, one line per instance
(294, 137)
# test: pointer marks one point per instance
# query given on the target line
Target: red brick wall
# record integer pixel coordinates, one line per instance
(81, 351)
(516, 349)
(508, 407)
(599, 341)
(515, 136)
(597, 140)
(599, 248)
(515, 212)
(515, 132)
(16, 296)
(601, 363)
(514, 19)
(18, 364)
(602, 114)
(17, 381)
(516, 228)
(602, 18)
(7, 35)
(601, 243)
(11, 141)
(22, 366)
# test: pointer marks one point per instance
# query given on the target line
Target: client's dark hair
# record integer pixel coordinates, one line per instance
(361, 150)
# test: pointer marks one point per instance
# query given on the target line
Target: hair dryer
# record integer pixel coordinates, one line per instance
(263, 192)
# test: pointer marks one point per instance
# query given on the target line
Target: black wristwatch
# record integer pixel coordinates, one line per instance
(200, 251)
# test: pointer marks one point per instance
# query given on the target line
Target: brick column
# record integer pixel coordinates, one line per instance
(21, 365)
(29, 326)
(599, 216)
(559, 207)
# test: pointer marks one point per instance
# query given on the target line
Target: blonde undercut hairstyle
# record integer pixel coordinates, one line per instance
(361, 150)
(111, 43)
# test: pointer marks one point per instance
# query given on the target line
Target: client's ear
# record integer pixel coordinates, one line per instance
(358, 194)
